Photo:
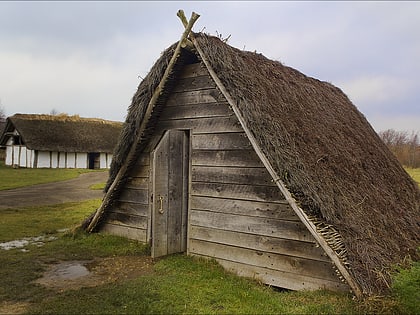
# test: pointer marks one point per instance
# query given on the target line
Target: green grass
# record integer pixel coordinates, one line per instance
(39, 220)
(406, 288)
(178, 284)
(184, 285)
(21, 177)
(99, 186)
(414, 173)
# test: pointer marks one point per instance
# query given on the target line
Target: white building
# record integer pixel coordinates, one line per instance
(46, 141)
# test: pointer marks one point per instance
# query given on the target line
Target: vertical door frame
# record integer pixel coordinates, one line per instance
(186, 175)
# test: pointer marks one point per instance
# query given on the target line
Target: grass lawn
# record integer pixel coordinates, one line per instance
(176, 284)
(21, 177)
(414, 173)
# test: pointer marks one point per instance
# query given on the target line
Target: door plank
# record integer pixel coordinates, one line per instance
(160, 196)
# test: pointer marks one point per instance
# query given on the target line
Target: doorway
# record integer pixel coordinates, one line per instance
(94, 160)
(170, 169)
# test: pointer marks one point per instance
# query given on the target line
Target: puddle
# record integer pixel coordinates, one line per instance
(68, 270)
(22, 243)
(73, 275)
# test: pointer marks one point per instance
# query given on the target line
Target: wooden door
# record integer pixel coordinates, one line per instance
(170, 194)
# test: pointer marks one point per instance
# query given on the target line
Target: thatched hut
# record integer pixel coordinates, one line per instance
(276, 175)
(59, 141)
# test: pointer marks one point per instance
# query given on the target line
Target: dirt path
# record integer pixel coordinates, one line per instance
(76, 189)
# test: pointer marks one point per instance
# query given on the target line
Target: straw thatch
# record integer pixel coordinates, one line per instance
(320, 145)
(64, 133)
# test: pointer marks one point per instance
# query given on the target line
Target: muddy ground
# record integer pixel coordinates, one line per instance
(72, 275)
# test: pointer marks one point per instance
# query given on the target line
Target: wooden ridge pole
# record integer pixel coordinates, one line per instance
(158, 91)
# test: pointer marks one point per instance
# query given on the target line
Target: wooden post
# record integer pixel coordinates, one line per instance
(107, 198)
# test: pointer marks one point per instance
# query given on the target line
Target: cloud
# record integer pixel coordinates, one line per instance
(376, 90)
(85, 57)
(71, 85)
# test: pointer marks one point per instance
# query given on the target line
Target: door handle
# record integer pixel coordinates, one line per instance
(161, 205)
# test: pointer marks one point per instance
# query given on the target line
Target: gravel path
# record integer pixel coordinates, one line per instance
(76, 189)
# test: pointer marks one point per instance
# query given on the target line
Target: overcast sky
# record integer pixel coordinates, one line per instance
(87, 58)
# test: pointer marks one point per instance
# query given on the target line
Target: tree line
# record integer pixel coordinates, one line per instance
(404, 145)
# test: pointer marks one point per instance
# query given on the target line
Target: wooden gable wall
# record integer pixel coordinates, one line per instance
(236, 214)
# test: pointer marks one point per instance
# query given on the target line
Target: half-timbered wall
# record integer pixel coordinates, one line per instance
(21, 156)
(237, 215)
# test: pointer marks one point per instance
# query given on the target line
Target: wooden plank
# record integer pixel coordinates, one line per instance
(125, 231)
(235, 191)
(295, 265)
(195, 83)
(161, 200)
(135, 221)
(260, 243)
(245, 158)
(196, 111)
(137, 183)
(194, 97)
(202, 125)
(140, 171)
(186, 189)
(143, 159)
(175, 191)
(232, 175)
(280, 278)
(134, 195)
(131, 208)
(252, 225)
(193, 70)
(279, 210)
(221, 141)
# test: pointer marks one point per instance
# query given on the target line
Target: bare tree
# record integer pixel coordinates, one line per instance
(2, 111)
(404, 145)
(54, 112)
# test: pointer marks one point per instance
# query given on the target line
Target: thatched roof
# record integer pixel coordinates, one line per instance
(64, 133)
(2, 125)
(324, 150)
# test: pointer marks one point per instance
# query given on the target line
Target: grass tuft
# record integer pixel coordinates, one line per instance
(406, 287)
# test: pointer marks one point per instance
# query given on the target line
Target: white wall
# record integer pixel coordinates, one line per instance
(54, 159)
(9, 155)
(81, 160)
(30, 157)
(71, 160)
(43, 159)
(103, 160)
(22, 157)
(15, 154)
(62, 159)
